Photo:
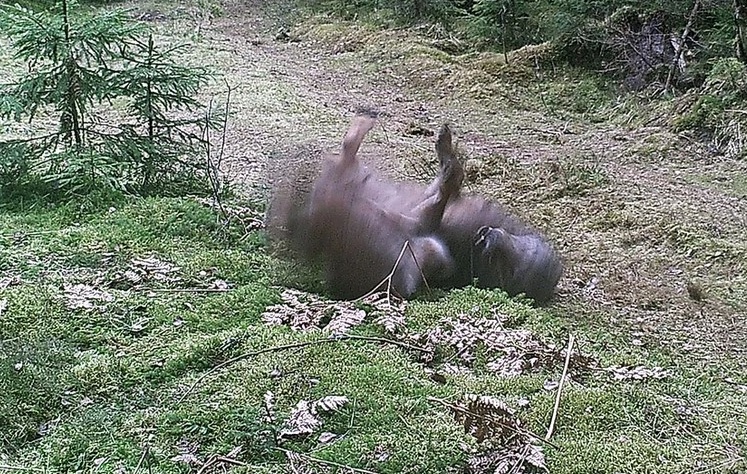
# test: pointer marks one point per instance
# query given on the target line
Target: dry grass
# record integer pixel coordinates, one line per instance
(638, 213)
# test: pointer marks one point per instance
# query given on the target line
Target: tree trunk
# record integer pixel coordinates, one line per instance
(740, 25)
(681, 46)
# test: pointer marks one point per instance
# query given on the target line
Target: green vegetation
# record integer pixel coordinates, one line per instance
(579, 27)
(660, 49)
(717, 108)
(110, 107)
(103, 386)
(117, 312)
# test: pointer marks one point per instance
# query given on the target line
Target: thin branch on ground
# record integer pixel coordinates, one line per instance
(390, 276)
(5, 467)
(387, 279)
(325, 462)
(221, 152)
(187, 290)
(569, 350)
(297, 345)
(214, 165)
(461, 409)
(215, 459)
(143, 456)
(212, 170)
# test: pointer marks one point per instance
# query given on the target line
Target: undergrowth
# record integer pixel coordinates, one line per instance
(114, 382)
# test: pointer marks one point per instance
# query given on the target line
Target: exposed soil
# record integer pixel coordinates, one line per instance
(639, 215)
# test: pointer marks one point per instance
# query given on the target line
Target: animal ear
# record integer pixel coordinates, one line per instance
(481, 235)
(359, 127)
(444, 147)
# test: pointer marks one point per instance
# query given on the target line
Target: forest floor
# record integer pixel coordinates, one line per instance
(637, 212)
(651, 226)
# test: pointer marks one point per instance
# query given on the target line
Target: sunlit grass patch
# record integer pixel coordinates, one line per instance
(138, 376)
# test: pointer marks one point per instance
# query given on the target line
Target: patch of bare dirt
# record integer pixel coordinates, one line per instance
(638, 228)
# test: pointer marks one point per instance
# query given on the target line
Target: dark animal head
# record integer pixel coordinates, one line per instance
(516, 263)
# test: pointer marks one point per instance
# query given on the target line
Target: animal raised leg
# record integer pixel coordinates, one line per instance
(360, 235)
(488, 243)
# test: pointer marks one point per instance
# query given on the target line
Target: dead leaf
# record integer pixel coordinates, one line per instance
(304, 312)
(5, 282)
(506, 446)
(154, 268)
(250, 218)
(639, 372)
(269, 406)
(306, 418)
(485, 417)
(330, 403)
(388, 311)
(381, 453)
(144, 270)
(327, 437)
(187, 453)
(435, 376)
(301, 422)
(510, 352)
(186, 458)
(344, 319)
(220, 285)
(85, 296)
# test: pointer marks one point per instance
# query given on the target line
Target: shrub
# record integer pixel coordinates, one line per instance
(124, 114)
(718, 109)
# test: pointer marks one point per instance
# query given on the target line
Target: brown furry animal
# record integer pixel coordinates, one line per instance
(360, 226)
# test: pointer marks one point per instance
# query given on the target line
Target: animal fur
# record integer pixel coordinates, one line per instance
(358, 225)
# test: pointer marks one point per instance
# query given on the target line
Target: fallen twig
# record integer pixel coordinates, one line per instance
(214, 459)
(551, 428)
(187, 290)
(5, 467)
(297, 345)
(461, 409)
(214, 165)
(325, 462)
(388, 278)
(143, 456)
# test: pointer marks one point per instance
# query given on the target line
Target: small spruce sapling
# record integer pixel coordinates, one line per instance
(81, 66)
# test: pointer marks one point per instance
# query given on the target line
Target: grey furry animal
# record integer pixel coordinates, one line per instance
(358, 225)
(364, 228)
(497, 250)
